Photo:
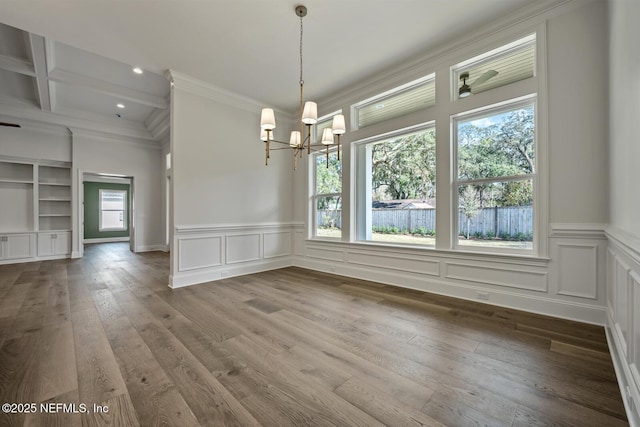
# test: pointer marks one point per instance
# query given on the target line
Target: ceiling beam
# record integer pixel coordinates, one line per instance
(17, 65)
(38, 46)
(68, 77)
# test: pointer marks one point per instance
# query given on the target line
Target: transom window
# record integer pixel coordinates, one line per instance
(500, 67)
(413, 96)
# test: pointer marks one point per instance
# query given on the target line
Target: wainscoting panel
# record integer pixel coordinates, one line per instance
(276, 244)
(623, 326)
(611, 279)
(621, 304)
(570, 283)
(326, 254)
(499, 276)
(243, 248)
(212, 252)
(299, 243)
(405, 264)
(578, 273)
(197, 252)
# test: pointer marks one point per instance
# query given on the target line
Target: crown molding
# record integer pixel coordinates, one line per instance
(32, 114)
(198, 87)
(94, 134)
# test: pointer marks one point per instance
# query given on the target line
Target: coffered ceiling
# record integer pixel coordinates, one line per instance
(73, 59)
(48, 81)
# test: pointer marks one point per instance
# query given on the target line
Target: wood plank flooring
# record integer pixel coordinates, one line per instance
(290, 347)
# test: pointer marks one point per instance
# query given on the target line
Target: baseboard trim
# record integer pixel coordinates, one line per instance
(628, 387)
(152, 248)
(106, 240)
(225, 271)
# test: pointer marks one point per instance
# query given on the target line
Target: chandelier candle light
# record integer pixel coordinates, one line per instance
(308, 118)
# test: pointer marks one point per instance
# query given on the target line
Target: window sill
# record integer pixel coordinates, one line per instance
(475, 255)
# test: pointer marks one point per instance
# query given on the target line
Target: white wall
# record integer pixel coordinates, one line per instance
(624, 134)
(623, 275)
(229, 209)
(578, 102)
(98, 153)
(36, 142)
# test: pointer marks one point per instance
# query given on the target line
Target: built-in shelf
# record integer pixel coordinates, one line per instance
(63, 184)
(16, 171)
(16, 181)
(54, 197)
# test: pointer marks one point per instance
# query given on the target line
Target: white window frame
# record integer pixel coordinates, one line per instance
(124, 212)
(361, 171)
(314, 157)
(455, 197)
(313, 199)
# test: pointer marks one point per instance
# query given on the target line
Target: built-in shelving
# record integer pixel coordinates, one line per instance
(54, 197)
(17, 196)
(35, 209)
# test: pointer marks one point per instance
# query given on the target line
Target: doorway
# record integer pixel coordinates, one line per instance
(106, 209)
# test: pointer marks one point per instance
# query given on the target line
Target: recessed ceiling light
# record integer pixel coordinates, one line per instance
(137, 70)
(379, 106)
(120, 105)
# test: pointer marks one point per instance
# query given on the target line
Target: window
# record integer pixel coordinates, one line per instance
(492, 157)
(396, 176)
(327, 199)
(113, 210)
(495, 176)
(397, 102)
(500, 67)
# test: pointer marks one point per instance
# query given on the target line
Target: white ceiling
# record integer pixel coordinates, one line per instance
(249, 47)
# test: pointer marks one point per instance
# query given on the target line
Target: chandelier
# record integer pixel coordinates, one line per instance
(308, 115)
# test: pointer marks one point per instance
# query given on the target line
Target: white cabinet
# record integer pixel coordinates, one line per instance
(17, 246)
(54, 243)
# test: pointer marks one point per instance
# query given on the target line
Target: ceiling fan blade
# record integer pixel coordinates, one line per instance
(483, 78)
(12, 125)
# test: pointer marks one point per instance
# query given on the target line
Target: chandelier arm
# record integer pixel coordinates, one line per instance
(279, 142)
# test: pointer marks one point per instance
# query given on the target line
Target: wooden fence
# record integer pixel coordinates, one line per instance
(497, 222)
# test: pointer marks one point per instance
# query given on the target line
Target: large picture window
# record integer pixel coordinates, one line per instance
(397, 181)
(113, 210)
(495, 177)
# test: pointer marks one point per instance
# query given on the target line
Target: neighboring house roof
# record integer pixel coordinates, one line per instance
(404, 204)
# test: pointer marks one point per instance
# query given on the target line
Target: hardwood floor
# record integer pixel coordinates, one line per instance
(286, 347)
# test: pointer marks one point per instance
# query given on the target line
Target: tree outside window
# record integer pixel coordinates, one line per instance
(495, 178)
